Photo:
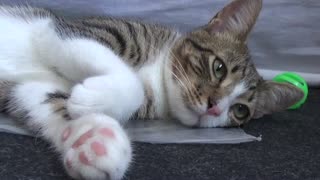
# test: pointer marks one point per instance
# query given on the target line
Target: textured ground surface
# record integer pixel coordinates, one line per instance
(289, 150)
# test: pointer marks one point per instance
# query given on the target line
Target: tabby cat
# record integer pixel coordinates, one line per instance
(75, 82)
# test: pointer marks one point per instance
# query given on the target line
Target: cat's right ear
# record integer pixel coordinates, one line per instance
(275, 97)
(236, 19)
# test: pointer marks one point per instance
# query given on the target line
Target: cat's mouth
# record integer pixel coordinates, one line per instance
(209, 121)
(205, 118)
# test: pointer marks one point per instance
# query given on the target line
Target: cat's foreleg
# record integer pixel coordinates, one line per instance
(118, 95)
(93, 146)
(105, 83)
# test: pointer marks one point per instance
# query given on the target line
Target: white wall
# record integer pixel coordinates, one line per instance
(286, 37)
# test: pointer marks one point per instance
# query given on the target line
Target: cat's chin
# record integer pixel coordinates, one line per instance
(191, 119)
(207, 121)
(188, 119)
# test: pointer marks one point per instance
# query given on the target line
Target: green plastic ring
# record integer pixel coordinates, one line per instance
(296, 80)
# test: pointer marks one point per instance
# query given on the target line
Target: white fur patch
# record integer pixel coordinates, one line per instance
(152, 75)
(31, 97)
(225, 102)
(118, 95)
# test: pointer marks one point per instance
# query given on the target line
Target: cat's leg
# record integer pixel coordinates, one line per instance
(106, 84)
(93, 146)
(118, 95)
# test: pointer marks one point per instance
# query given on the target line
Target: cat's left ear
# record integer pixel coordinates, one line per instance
(236, 19)
(273, 97)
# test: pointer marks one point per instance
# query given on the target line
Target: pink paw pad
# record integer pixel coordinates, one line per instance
(83, 138)
(98, 148)
(66, 133)
(68, 163)
(107, 132)
(83, 158)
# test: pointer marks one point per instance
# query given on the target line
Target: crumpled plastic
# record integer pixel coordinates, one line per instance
(161, 132)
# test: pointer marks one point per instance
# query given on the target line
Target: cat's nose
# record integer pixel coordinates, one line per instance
(214, 111)
(213, 108)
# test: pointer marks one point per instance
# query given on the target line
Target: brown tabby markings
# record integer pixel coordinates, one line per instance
(133, 41)
(136, 43)
(58, 102)
(192, 57)
(9, 104)
(147, 110)
(196, 54)
(5, 91)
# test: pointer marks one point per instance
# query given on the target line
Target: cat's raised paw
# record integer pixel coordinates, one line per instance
(95, 147)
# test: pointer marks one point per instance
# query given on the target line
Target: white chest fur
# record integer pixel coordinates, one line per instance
(152, 75)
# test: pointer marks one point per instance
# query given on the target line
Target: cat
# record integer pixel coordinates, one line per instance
(76, 82)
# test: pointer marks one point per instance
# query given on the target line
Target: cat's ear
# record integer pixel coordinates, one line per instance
(236, 19)
(274, 97)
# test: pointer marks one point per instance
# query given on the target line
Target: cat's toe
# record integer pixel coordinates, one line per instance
(96, 148)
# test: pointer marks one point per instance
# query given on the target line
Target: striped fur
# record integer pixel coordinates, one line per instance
(73, 78)
(134, 41)
(190, 56)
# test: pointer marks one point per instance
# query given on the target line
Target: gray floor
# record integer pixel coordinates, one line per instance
(289, 150)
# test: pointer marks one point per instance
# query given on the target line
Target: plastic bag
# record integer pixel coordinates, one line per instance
(166, 132)
(161, 132)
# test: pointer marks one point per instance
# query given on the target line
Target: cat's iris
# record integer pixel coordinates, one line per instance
(241, 111)
(219, 69)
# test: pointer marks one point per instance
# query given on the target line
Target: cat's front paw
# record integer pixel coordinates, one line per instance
(117, 96)
(94, 95)
(95, 147)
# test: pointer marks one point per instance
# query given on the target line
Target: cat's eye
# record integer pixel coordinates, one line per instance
(240, 111)
(219, 69)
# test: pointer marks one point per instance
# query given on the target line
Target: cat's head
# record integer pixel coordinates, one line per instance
(214, 81)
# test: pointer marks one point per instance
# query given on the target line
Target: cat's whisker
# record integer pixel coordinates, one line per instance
(182, 74)
(182, 71)
(180, 82)
(181, 67)
(187, 90)
(186, 78)
(191, 91)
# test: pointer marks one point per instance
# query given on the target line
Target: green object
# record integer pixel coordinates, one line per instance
(296, 80)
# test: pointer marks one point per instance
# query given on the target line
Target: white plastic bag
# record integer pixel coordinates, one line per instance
(161, 132)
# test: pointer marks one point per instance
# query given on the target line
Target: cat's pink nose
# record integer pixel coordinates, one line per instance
(214, 111)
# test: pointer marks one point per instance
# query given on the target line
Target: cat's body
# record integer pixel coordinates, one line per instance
(145, 48)
(73, 81)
